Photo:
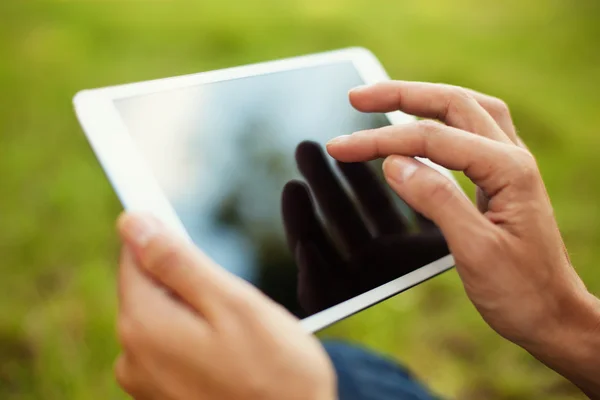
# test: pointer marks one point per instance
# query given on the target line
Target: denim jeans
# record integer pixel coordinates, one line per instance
(365, 375)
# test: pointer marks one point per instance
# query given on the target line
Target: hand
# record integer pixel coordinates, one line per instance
(509, 253)
(328, 276)
(190, 330)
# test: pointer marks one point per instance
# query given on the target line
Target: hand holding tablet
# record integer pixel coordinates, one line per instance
(191, 330)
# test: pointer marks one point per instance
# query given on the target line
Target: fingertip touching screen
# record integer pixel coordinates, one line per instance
(243, 164)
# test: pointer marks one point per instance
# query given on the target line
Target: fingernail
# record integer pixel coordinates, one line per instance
(358, 89)
(400, 169)
(138, 229)
(339, 139)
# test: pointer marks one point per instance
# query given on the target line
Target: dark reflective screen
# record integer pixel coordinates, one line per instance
(243, 164)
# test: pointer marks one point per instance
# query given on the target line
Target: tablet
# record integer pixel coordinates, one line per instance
(233, 159)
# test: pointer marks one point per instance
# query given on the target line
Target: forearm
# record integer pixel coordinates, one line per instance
(575, 351)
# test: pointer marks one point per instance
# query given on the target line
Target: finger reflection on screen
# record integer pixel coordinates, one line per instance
(362, 240)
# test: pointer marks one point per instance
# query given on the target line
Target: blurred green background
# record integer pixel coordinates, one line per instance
(58, 249)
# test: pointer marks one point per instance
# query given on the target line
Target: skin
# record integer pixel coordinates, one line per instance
(508, 250)
(190, 330)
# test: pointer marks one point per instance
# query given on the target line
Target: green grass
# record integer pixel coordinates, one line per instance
(57, 243)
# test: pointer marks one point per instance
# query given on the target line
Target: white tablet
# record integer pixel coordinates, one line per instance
(233, 160)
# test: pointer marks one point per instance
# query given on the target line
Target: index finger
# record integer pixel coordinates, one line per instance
(483, 160)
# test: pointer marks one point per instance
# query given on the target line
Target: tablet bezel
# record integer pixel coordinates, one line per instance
(138, 190)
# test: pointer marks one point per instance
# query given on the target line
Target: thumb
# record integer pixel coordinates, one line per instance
(175, 263)
(435, 196)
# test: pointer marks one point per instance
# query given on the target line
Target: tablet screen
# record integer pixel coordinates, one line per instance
(243, 165)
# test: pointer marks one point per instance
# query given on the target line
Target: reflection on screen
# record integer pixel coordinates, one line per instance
(241, 161)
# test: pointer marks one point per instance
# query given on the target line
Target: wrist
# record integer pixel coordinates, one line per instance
(572, 348)
(578, 327)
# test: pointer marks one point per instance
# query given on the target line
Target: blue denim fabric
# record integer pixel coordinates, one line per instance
(365, 375)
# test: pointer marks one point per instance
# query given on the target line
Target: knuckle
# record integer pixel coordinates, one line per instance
(123, 375)
(457, 93)
(237, 301)
(441, 192)
(240, 302)
(245, 301)
(429, 130)
(498, 108)
(429, 127)
(525, 167)
(164, 260)
(377, 146)
(457, 99)
(126, 332)
(131, 332)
